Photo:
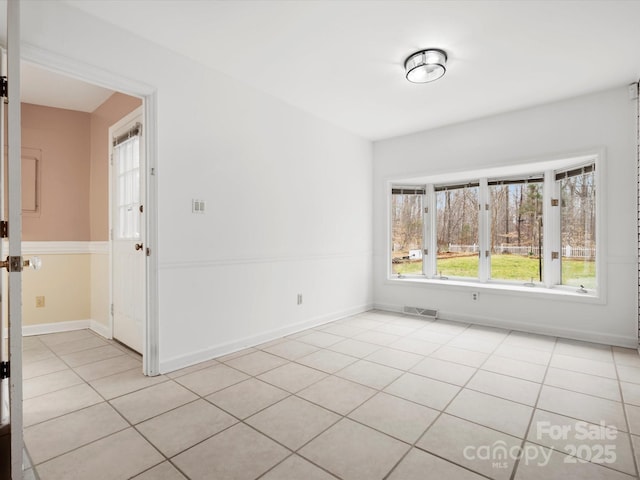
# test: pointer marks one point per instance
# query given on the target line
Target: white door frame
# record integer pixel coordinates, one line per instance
(114, 81)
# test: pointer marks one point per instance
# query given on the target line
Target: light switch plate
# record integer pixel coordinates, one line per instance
(197, 206)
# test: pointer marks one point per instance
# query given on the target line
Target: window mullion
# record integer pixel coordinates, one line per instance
(551, 230)
(430, 239)
(484, 265)
(426, 231)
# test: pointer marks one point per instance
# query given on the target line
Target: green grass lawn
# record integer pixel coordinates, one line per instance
(507, 267)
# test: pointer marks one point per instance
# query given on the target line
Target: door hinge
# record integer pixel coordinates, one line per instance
(5, 370)
(112, 309)
(555, 202)
(4, 87)
(425, 251)
(426, 209)
(148, 252)
(555, 255)
(4, 229)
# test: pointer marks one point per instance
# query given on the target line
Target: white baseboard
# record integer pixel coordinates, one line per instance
(57, 327)
(189, 359)
(388, 307)
(584, 335)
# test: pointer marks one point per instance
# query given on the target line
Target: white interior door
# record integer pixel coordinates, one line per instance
(129, 251)
(11, 438)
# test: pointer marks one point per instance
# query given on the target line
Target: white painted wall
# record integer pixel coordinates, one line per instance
(289, 203)
(290, 206)
(604, 119)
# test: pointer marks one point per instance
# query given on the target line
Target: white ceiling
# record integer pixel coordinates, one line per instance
(343, 60)
(44, 87)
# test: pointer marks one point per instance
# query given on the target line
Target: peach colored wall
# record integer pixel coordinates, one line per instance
(113, 109)
(74, 207)
(63, 136)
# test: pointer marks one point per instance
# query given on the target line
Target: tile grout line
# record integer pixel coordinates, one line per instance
(533, 411)
(626, 417)
(294, 454)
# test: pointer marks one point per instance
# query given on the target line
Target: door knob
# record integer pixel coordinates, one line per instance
(33, 262)
(139, 246)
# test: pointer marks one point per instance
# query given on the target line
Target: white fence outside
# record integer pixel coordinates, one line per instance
(567, 251)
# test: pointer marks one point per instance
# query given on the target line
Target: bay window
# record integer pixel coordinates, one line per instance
(536, 228)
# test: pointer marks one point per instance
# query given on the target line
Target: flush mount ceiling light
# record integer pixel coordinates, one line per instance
(425, 66)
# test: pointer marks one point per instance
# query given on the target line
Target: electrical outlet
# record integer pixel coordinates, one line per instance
(474, 296)
(299, 299)
(40, 302)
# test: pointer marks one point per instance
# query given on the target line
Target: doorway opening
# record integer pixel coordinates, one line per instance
(66, 189)
(66, 193)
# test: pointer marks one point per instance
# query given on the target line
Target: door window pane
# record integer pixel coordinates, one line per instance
(126, 158)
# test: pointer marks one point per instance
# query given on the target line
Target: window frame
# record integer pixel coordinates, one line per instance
(434, 238)
(551, 227)
(402, 190)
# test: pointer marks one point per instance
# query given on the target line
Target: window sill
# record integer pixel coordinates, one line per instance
(561, 293)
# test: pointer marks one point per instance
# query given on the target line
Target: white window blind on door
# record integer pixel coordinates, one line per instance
(126, 161)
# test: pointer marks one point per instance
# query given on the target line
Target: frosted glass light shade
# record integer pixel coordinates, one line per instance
(425, 66)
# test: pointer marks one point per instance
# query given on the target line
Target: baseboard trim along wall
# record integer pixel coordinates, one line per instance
(583, 335)
(58, 327)
(183, 361)
(202, 355)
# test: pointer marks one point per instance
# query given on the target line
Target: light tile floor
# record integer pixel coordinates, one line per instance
(373, 396)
